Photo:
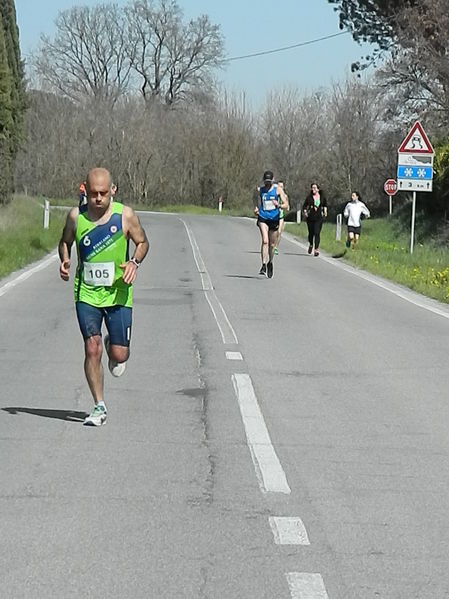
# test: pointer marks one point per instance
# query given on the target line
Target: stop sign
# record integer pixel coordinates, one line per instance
(390, 187)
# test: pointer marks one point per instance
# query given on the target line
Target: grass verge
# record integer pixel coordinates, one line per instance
(23, 238)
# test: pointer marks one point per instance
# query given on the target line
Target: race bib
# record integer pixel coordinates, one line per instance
(99, 274)
(267, 203)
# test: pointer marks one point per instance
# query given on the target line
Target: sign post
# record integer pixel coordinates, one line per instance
(390, 188)
(415, 167)
(412, 229)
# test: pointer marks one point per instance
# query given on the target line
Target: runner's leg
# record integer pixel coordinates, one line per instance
(264, 246)
(118, 321)
(272, 235)
(311, 230)
(317, 233)
(93, 368)
(90, 320)
(281, 227)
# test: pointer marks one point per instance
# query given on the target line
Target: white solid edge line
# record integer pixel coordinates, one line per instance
(27, 274)
(229, 336)
(233, 336)
(214, 313)
(304, 585)
(269, 472)
(288, 531)
(391, 287)
(205, 279)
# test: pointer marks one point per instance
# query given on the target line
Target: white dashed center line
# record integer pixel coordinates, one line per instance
(288, 531)
(234, 355)
(269, 472)
(306, 586)
(224, 326)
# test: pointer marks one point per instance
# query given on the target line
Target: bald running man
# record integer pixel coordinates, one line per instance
(104, 277)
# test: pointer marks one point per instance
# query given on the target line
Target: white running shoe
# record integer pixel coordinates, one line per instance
(97, 417)
(115, 368)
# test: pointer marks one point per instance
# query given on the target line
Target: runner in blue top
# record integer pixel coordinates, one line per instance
(270, 200)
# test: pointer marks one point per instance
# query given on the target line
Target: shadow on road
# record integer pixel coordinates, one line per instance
(68, 415)
(339, 255)
(243, 276)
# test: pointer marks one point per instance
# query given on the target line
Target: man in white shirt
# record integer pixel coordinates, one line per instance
(353, 212)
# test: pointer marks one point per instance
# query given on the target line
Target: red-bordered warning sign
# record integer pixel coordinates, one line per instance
(416, 141)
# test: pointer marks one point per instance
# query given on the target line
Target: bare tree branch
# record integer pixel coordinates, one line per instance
(90, 55)
(172, 58)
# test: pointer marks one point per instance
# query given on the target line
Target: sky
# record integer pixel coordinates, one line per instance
(248, 26)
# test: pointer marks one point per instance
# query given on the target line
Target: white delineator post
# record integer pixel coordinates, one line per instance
(220, 204)
(46, 214)
(339, 223)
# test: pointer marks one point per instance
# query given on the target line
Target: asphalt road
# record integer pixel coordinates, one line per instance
(283, 438)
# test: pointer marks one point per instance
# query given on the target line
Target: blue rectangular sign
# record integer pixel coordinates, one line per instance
(415, 172)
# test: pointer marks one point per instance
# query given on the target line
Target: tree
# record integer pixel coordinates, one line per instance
(103, 52)
(12, 97)
(373, 21)
(171, 58)
(356, 161)
(18, 92)
(418, 71)
(412, 37)
(295, 126)
(6, 123)
(90, 56)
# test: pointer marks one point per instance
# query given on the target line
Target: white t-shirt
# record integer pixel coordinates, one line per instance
(353, 211)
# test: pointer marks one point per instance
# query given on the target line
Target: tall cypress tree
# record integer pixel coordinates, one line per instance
(12, 96)
(6, 122)
(15, 64)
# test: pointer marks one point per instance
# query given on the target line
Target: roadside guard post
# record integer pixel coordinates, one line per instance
(390, 188)
(46, 214)
(415, 167)
(220, 203)
(339, 222)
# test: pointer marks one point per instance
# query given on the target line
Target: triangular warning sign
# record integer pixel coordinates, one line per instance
(416, 141)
